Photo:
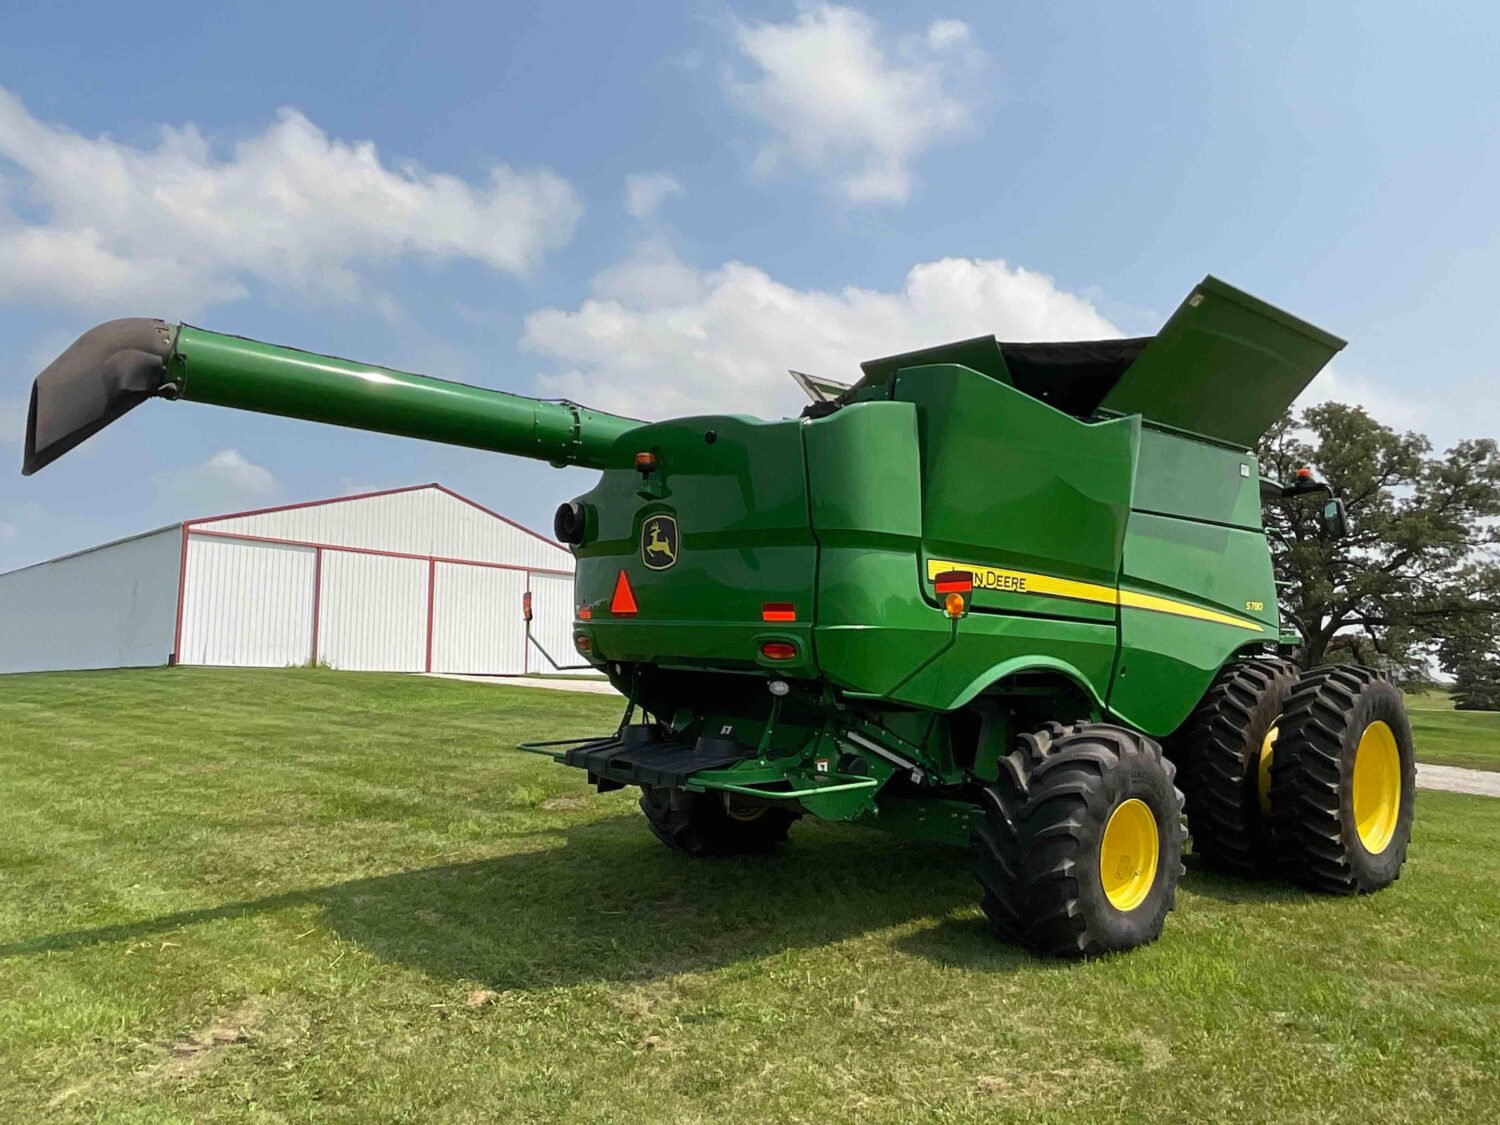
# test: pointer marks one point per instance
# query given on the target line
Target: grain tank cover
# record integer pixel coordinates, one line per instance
(1225, 366)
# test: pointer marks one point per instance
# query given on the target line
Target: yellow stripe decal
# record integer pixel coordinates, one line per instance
(1049, 586)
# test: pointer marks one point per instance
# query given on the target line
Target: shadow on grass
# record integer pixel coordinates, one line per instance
(611, 904)
(1201, 880)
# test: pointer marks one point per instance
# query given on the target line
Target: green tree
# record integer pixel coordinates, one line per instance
(1471, 653)
(1420, 561)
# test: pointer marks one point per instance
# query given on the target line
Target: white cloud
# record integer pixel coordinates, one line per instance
(179, 226)
(225, 480)
(720, 340)
(1335, 384)
(844, 107)
(645, 192)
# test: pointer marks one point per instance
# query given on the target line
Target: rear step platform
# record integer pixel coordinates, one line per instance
(644, 754)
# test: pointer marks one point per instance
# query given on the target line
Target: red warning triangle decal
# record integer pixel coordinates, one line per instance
(623, 603)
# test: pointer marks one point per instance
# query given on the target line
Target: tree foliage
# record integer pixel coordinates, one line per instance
(1421, 562)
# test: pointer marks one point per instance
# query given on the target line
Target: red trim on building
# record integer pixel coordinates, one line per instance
(380, 492)
(175, 656)
(317, 598)
(309, 504)
(431, 598)
(373, 551)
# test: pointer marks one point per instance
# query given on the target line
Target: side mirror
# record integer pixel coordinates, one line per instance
(1335, 519)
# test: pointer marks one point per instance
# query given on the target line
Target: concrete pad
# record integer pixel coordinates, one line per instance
(1486, 783)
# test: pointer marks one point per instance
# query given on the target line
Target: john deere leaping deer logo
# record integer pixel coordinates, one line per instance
(659, 542)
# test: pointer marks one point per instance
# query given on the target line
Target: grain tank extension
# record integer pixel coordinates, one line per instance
(1006, 596)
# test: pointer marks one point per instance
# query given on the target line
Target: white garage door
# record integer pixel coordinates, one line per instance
(477, 626)
(552, 626)
(247, 604)
(373, 613)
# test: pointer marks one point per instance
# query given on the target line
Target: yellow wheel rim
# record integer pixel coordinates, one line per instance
(1377, 787)
(1128, 854)
(1263, 768)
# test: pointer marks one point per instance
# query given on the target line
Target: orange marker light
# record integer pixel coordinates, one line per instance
(955, 587)
(623, 602)
(1304, 473)
(645, 463)
(778, 650)
(585, 613)
(778, 611)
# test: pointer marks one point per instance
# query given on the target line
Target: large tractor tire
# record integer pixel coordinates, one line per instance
(1081, 847)
(706, 824)
(1224, 752)
(1343, 782)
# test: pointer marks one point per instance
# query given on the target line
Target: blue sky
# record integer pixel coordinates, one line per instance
(658, 208)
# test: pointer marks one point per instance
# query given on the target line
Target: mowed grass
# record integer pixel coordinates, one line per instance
(1446, 737)
(275, 896)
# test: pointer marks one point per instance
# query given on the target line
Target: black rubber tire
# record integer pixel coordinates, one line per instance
(700, 824)
(1038, 847)
(1217, 751)
(1312, 781)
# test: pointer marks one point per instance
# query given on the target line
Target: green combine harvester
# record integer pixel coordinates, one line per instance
(999, 595)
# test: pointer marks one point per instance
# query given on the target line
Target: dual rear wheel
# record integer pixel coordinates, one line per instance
(1312, 777)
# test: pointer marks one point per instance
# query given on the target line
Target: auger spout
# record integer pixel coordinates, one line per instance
(114, 367)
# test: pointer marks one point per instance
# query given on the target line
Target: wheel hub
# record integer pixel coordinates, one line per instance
(1128, 854)
(1377, 787)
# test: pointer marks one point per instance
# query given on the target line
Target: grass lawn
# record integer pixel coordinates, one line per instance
(280, 895)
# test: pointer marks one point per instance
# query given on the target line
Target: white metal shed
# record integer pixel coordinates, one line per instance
(406, 580)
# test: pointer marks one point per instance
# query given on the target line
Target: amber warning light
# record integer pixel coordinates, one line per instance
(956, 588)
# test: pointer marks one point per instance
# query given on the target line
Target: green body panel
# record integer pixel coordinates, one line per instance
(1178, 476)
(740, 504)
(1009, 482)
(1101, 497)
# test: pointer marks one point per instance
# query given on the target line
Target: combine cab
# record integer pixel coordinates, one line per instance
(992, 594)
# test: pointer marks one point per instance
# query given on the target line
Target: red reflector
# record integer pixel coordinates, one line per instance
(954, 582)
(526, 605)
(778, 611)
(583, 643)
(623, 603)
(584, 613)
(778, 650)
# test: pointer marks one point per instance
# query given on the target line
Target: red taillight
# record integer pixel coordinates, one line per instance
(623, 602)
(778, 611)
(778, 650)
(585, 613)
(583, 643)
(954, 582)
